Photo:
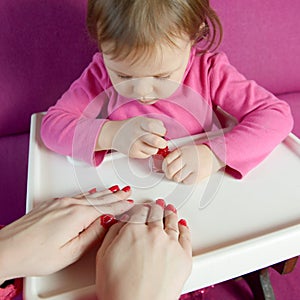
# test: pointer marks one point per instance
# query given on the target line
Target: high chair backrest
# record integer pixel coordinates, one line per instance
(44, 46)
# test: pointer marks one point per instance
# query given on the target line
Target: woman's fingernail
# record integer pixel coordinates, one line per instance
(182, 222)
(172, 208)
(107, 221)
(93, 191)
(130, 201)
(126, 188)
(161, 203)
(114, 188)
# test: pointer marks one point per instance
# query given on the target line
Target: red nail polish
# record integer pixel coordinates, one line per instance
(161, 203)
(183, 222)
(130, 201)
(126, 188)
(172, 208)
(114, 188)
(93, 191)
(107, 221)
(163, 152)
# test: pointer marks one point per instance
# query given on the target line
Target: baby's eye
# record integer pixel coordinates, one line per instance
(163, 77)
(124, 77)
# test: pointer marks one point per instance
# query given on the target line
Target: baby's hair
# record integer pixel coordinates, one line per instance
(130, 27)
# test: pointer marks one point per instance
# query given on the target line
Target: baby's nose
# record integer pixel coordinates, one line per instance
(143, 87)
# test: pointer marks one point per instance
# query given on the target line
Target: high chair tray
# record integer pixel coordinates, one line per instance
(238, 226)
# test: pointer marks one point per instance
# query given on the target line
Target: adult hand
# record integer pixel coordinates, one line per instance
(56, 233)
(137, 137)
(190, 164)
(150, 257)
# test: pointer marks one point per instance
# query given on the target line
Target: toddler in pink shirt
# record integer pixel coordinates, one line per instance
(155, 78)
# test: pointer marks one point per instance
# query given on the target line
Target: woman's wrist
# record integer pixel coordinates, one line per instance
(3, 267)
(5, 258)
(2, 258)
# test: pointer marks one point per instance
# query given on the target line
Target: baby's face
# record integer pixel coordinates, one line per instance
(155, 77)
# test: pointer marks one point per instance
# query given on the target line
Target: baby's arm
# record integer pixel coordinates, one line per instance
(264, 120)
(71, 126)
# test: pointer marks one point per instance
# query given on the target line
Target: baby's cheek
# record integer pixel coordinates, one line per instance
(124, 88)
(165, 88)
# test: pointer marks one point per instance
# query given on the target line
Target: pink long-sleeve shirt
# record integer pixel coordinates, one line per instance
(71, 127)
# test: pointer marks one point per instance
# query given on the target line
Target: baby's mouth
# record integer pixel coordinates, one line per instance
(148, 101)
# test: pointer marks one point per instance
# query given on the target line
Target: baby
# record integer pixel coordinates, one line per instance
(156, 78)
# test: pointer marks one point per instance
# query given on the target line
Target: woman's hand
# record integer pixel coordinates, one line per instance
(56, 233)
(190, 164)
(137, 137)
(150, 257)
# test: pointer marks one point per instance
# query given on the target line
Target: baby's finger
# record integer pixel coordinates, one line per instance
(174, 167)
(156, 214)
(192, 178)
(172, 156)
(182, 174)
(153, 126)
(185, 236)
(169, 159)
(147, 150)
(154, 141)
(171, 219)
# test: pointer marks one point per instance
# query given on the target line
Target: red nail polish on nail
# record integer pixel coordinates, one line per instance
(114, 188)
(172, 208)
(183, 222)
(93, 191)
(161, 203)
(130, 201)
(107, 221)
(163, 152)
(126, 188)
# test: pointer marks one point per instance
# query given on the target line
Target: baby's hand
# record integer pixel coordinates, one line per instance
(139, 137)
(190, 164)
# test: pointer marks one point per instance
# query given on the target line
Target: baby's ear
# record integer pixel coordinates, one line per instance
(202, 26)
(202, 32)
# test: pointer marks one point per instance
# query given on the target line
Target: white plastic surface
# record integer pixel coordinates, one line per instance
(238, 226)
